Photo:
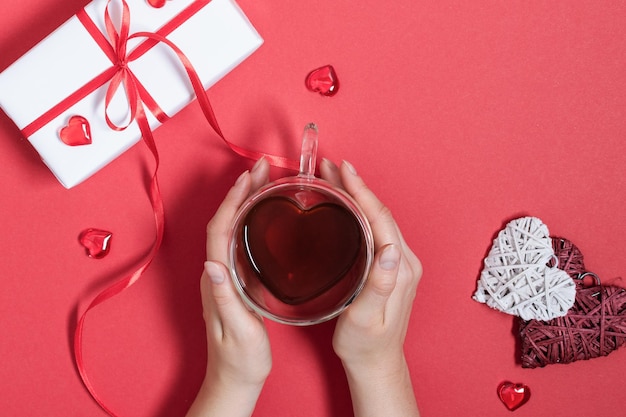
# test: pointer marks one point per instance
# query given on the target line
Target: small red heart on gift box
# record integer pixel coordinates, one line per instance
(323, 80)
(156, 3)
(513, 395)
(299, 253)
(77, 132)
(594, 326)
(96, 242)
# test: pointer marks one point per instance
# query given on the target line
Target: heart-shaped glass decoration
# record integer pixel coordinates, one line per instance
(513, 395)
(157, 4)
(323, 80)
(77, 132)
(97, 242)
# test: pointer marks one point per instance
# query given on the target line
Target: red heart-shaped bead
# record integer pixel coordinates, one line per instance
(156, 3)
(299, 253)
(97, 242)
(77, 132)
(513, 395)
(323, 80)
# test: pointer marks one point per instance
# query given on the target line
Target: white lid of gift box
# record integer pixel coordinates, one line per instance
(215, 39)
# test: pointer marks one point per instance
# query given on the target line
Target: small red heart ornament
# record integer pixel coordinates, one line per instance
(323, 80)
(96, 242)
(157, 4)
(594, 326)
(513, 395)
(299, 253)
(77, 132)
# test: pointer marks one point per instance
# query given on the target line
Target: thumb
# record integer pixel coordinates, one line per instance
(371, 303)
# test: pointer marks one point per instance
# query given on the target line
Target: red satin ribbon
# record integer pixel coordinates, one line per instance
(120, 75)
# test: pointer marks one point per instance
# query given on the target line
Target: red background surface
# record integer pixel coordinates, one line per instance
(460, 115)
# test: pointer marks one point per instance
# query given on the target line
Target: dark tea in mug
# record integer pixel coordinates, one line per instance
(299, 254)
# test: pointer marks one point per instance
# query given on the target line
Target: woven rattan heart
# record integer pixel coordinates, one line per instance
(517, 277)
(594, 326)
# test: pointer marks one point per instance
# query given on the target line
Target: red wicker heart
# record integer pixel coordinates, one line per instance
(595, 326)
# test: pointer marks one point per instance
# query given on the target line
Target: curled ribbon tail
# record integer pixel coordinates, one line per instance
(122, 284)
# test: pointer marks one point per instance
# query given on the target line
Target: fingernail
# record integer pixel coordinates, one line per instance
(215, 273)
(389, 258)
(330, 164)
(241, 177)
(350, 167)
(257, 164)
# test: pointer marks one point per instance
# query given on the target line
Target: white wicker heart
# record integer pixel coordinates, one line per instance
(520, 276)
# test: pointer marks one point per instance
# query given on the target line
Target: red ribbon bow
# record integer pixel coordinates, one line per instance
(120, 75)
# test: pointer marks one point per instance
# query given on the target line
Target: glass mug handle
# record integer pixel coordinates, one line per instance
(308, 153)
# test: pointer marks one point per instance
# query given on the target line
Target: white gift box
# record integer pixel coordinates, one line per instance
(216, 38)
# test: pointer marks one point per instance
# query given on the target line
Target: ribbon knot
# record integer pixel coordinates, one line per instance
(121, 74)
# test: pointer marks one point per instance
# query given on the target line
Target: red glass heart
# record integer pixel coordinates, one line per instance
(156, 3)
(323, 80)
(96, 242)
(513, 395)
(298, 253)
(77, 132)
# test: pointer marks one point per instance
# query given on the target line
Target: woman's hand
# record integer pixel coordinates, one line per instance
(239, 357)
(369, 336)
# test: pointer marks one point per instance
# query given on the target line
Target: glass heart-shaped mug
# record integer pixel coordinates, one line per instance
(300, 248)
